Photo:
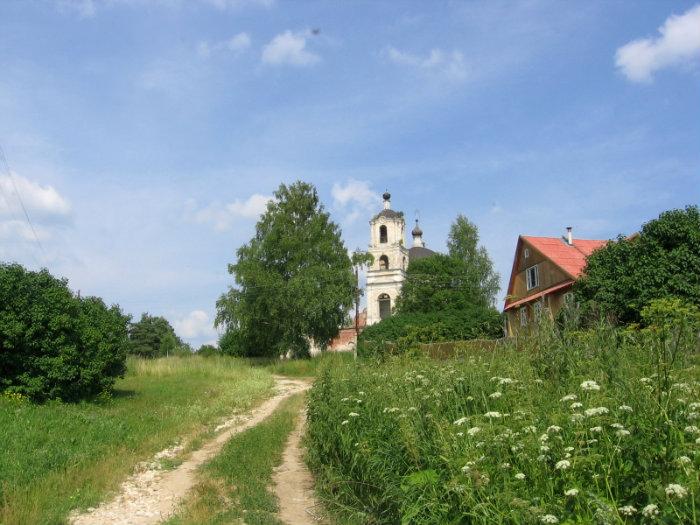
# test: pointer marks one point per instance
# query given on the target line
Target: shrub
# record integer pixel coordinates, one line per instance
(401, 332)
(153, 336)
(54, 345)
(208, 351)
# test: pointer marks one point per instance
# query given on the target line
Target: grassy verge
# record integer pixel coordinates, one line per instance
(302, 367)
(235, 484)
(56, 457)
(596, 427)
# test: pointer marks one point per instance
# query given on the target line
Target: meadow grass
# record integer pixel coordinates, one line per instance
(597, 427)
(235, 486)
(301, 367)
(56, 457)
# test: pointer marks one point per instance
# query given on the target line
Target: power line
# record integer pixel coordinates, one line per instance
(6, 168)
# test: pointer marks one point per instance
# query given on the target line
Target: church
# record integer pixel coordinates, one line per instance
(391, 257)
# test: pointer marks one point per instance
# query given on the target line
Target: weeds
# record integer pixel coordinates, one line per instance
(594, 427)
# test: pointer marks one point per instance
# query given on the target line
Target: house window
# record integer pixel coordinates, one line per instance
(384, 306)
(522, 314)
(382, 234)
(533, 277)
(383, 262)
(538, 311)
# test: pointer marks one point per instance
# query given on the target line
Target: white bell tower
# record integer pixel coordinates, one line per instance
(388, 271)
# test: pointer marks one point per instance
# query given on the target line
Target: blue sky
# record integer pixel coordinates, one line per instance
(145, 135)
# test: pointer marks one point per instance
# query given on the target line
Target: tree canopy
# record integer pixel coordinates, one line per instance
(53, 344)
(294, 280)
(462, 279)
(153, 336)
(662, 261)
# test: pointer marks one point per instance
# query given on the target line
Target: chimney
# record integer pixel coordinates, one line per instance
(569, 236)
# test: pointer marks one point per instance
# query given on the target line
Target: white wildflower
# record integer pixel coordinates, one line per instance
(505, 381)
(361, 393)
(549, 518)
(684, 460)
(622, 433)
(461, 421)
(495, 395)
(569, 397)
(590, 385)
(571, 493)
(505, 466)
(470, 398)
(553, 429)
(694, 406)
(412, 409)
(530, 430)
(692, 429)
(354, 414)
(544, 448)
(345, 422)
(520, 476)
(617, 425)
(473, 431)
(597, 411)
(492, 415)
(677, 491)
(627, 510)
(650, 511)
(575, 418)
(645, 380)
(345, 399)
(576, 405)
(542, 457)
(563, 464)
(543, 438)
(625, 408)
(595, 429)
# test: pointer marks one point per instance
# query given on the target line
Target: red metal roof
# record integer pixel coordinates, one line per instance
(571, 259)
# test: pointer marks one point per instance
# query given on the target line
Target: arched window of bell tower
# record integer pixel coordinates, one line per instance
(384, 306)
(382, 234)
(383, 262)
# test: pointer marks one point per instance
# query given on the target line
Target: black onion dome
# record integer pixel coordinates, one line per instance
(417, 232)
(386, 196)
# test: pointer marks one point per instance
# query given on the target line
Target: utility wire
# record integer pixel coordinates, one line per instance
(5, 166)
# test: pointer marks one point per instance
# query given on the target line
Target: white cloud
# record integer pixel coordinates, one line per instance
(355, 198)
(222, 216)
(289, 48)
(195, 325)
(238, 4)
(84, 8)
(678, 44)
(451, 65)
(43, 203)
(236, 45)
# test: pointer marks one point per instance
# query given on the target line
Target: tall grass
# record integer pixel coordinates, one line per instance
(56, 457)
(600, 427)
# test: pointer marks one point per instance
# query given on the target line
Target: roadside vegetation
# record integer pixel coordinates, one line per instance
(236, 485)
(595, 427)
(57, 456)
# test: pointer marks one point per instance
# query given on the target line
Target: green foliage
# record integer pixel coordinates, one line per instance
(463, 244)
(582, 427)
(403, 331)
(54, 345)
(208, 351)
(457, 281)
(294, 280)
(153, 336)
(663, 261)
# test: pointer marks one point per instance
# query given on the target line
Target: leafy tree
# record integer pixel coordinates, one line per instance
(294, 280)
(153, 336)
(54, 345)
(208, 351)
(463, 244)
(663, 261)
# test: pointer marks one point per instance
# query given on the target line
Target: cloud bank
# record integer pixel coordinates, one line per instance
(223, 216)
(450, 65)
(289, 49)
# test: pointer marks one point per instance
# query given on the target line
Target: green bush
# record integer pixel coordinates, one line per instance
(208, 351)
(54, 345)
(594, 427)
(401, 332)
(153, 336)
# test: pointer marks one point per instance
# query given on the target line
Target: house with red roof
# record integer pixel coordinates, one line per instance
(544, 270)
